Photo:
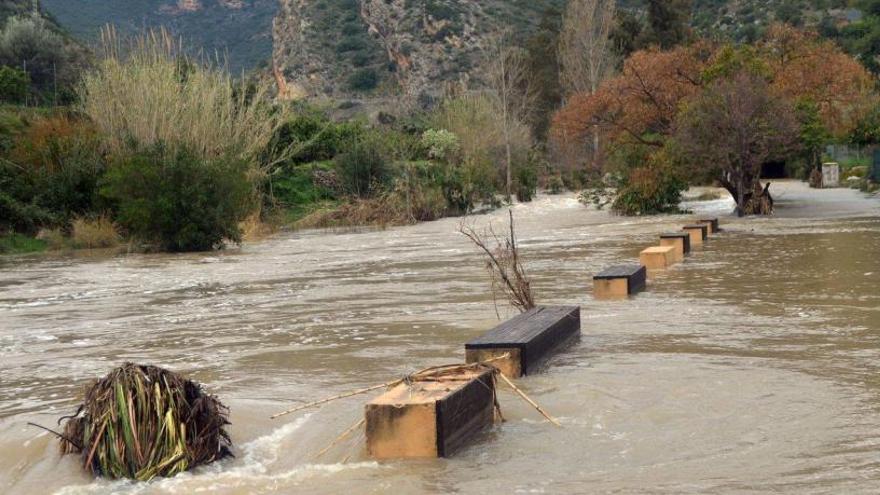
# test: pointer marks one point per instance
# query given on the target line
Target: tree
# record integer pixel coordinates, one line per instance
(513, 93)
(807, 68)
(735, 126)
(586, 51)
(14, 84)
(543, 67)
(29, 43)
(668, 23)
(640, 104)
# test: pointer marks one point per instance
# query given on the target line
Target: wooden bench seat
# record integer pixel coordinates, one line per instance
(529, 339)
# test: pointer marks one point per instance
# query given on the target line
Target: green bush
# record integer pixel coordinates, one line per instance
(363, 170)
(363, 80)
(649, 190)
(61, 159)
(314, 137)
(14, 84)
(525, 182)
(178, 201)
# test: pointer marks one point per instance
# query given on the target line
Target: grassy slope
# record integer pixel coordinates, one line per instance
(242, 36)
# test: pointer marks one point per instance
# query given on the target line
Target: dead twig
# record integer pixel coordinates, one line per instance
(507, 274)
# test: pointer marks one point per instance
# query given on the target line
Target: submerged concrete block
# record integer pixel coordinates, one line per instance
(698, 232)
(712, 223)
(619, 281)
(431, 418)
(680, 240)
(659, 257)
(529, 339)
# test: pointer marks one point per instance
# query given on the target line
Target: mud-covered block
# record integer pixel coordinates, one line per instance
(712, 223)
(659, 257)
(681, 241)
(431, 418)
(698, 232)
(619, 281)
(527, 339)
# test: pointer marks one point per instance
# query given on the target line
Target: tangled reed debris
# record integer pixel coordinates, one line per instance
(140, 422)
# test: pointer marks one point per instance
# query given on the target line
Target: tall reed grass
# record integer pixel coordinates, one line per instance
(147, 90)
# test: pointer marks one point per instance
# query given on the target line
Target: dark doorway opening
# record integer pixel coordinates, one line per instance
(774, 170)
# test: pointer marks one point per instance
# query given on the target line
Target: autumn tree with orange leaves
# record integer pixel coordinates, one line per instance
(643, 105)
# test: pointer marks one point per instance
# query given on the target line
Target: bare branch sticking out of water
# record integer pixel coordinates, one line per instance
(506, 271)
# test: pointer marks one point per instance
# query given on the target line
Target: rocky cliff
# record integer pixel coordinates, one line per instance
(409, 48)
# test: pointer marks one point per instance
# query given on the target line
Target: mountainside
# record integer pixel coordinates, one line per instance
(387, 47)
(237, 30)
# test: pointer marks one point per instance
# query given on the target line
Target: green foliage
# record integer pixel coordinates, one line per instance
(14, 84)
(314, 137)
(363, 170)
(441, 144)
(30, 43)
(525, 181)
(732, 60)
(650, 190)
(363, 80)
(867, 129)
(179, 201)
(20, 244)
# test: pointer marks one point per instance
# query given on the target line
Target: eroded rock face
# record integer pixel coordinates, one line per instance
(410, 48)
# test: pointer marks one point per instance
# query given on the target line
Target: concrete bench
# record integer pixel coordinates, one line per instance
(659, 257)
(680, 240)
(619, 281)
(698, 232)
(431, 418)
(529, 339)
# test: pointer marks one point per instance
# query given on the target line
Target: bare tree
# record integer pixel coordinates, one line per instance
(514, 94)
(506, 271)
(586, 51)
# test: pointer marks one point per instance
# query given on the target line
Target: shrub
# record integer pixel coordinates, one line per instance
(363, 80)
(363, 170)
(312, 136)
(99, 232)
(14, 84)
(178, 201)
(61, 157)
(649, 190)
(441, 144)
(526, 182)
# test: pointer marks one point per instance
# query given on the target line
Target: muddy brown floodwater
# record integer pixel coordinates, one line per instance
(752, 367)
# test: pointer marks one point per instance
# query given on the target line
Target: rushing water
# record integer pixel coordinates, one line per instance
(752, 367)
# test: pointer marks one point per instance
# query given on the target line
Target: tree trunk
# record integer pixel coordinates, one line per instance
(751, 198)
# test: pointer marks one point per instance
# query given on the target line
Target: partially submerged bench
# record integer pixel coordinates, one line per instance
(431, 417)
(619, 281)
(712, 223)
(680, 240)
(659, 257)
(528, 339)
(698, 232)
